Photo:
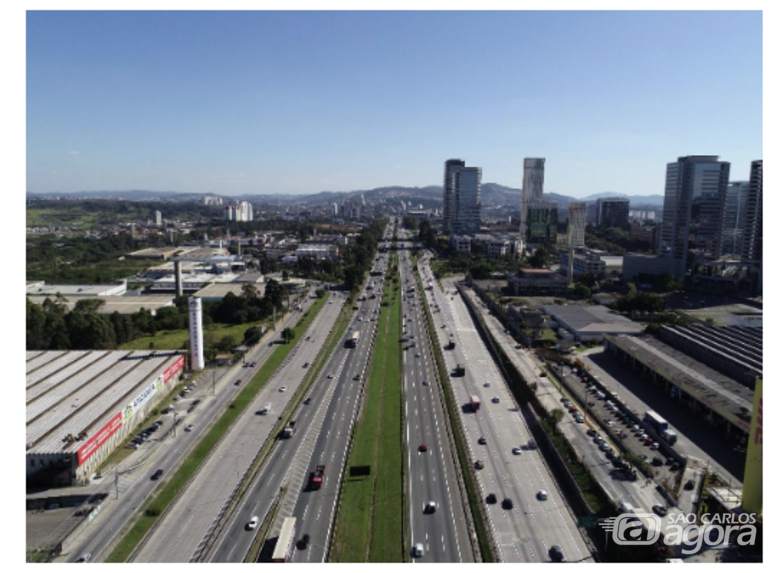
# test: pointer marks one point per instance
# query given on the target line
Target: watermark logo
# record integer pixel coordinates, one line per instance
(683, 530)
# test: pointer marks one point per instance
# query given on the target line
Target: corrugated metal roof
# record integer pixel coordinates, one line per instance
(80, 391)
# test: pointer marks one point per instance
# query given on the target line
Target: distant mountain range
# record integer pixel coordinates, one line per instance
(493, 195)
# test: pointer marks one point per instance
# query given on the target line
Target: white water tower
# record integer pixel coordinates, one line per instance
(196, 334)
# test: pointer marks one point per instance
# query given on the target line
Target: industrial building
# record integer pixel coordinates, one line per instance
(40, 288)
(82, 404)
(120, 304)
(538, 282)
(154, 253)
(589, 323)
(218, 291)
(723, 401)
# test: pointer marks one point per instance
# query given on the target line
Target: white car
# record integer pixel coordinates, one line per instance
(486, 384)
(417, 355)
(189, 428)
(283, 389)
(330, 376)
(253, 522)
(541, 495)
(430, 507)
(517, 451)
(418, 550)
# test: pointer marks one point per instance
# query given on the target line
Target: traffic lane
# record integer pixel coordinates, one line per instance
(330, 450)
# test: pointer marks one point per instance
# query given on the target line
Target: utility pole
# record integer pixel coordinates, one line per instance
(213, 378)
(116, 483)
(174, 423)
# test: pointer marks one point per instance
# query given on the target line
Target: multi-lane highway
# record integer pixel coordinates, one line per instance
(168, 451)
(323, 428)
(432, 479)
(181, 530)
(529, 515)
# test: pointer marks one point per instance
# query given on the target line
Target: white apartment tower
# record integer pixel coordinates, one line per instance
(239, 211)
(196, 335)
(577, 221)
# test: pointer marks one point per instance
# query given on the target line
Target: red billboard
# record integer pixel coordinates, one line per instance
(92, 444)
(171, 371)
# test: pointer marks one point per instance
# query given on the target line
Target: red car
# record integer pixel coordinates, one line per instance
(573, 409)
(238, 382)
(649, 442)
(423, 447)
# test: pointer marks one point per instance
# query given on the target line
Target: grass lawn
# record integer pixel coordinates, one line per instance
(166, 492)
(370, 524)
(549, 334)
(176, 339)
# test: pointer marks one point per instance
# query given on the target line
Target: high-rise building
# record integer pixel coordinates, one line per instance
(612, 212)
(542, 223)
(158, 218)
(467, 200)
(752, 242)
(239, 211)
(734, 218)
(700, 177)
(533, 189)
(335, 209)
(449, 197)
(577, 221)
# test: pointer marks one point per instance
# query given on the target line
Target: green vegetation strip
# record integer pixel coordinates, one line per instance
(170, 489)
(370, 524)
(475, 502)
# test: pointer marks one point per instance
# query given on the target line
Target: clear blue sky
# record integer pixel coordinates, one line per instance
(286, 102)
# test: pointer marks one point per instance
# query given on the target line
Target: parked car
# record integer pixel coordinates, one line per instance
(689, 485)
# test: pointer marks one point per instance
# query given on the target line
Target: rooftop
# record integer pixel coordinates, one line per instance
(592, 319)
(120, 304)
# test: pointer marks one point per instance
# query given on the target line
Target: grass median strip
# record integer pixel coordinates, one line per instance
(157, 505)
(370, 521)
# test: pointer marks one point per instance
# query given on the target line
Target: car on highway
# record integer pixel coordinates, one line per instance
(252, 524)
(491, 498)
(305, 364)
(283, 389)
(541, 495)
(84, 558)
(330, 376)
(482, 441)
(189, 428)
(689, 485)
(418, 550)
(303, 542)
(480, 464)
(430, 507)
(417, 355)
(423, 447)
(591, 432)
(556, 553)
(238, 382)
(507, 503)
(486, 384)
(517, 451)
(496, 399)
(156, 475)
(425, 382)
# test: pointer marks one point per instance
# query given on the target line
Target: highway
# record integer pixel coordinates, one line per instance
(432, 474)
(323, 429)
(525, 526)
(180, 531)
(166, 452)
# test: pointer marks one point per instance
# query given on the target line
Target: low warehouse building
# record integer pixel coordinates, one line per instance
(82, 404)
(590, 323)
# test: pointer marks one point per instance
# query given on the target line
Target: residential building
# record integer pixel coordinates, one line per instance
(498, 248)
(239, 211)
(752, 248)
(701, 180)
(734, 218)
(584, 261)
(460, 243)
(533, 189)
(158, 219)
(577, 221)
(612, 212)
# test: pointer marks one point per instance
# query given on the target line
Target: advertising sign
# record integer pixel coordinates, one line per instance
(92, 444)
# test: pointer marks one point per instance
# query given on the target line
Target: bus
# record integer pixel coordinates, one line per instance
(352, 341)
(284, 543)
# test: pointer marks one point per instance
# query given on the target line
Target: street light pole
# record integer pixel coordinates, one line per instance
(174, 423)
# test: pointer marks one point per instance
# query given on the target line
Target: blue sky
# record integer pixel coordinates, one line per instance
(300, 102)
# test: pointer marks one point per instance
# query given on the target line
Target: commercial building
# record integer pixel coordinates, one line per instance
(612, 212)
(538, 282)
(191, 282)
(577, 221)
(645, 233)
(752, 248)
(589, 323)
(584, 261)
(466, 199)
(460, 243)
(734, 218)
(449, 192)
(693, 201)
(637, 267)
(40, 288)
(239, 211)
(499, 248)
(318, 250)
(542, 223)
(532, 191)
(82, 404)
(163, 253)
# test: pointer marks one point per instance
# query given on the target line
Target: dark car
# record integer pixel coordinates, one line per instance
(659, 510)
(556, 553)
(238, 382)
(196, 402)
(491, 498)
(657, 462)
(157, 475)
(507, 503)
(482, 441)
(307, 401)
(303, 542)
(689, 484)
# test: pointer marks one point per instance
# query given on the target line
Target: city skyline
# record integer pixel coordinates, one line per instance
(246, 107)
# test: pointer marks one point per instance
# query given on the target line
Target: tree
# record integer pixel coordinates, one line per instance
(249, 292)
(555, 418)
(540, 259)
(287, 335)
(227, 343)
(275, 293)
(86, 305)
(252, 336)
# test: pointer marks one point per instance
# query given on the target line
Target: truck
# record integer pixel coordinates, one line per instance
(656, 421)
(289, 430)
(475, 403)
(353, 340)
(317, 477)
(670, 436)
(460, 370)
